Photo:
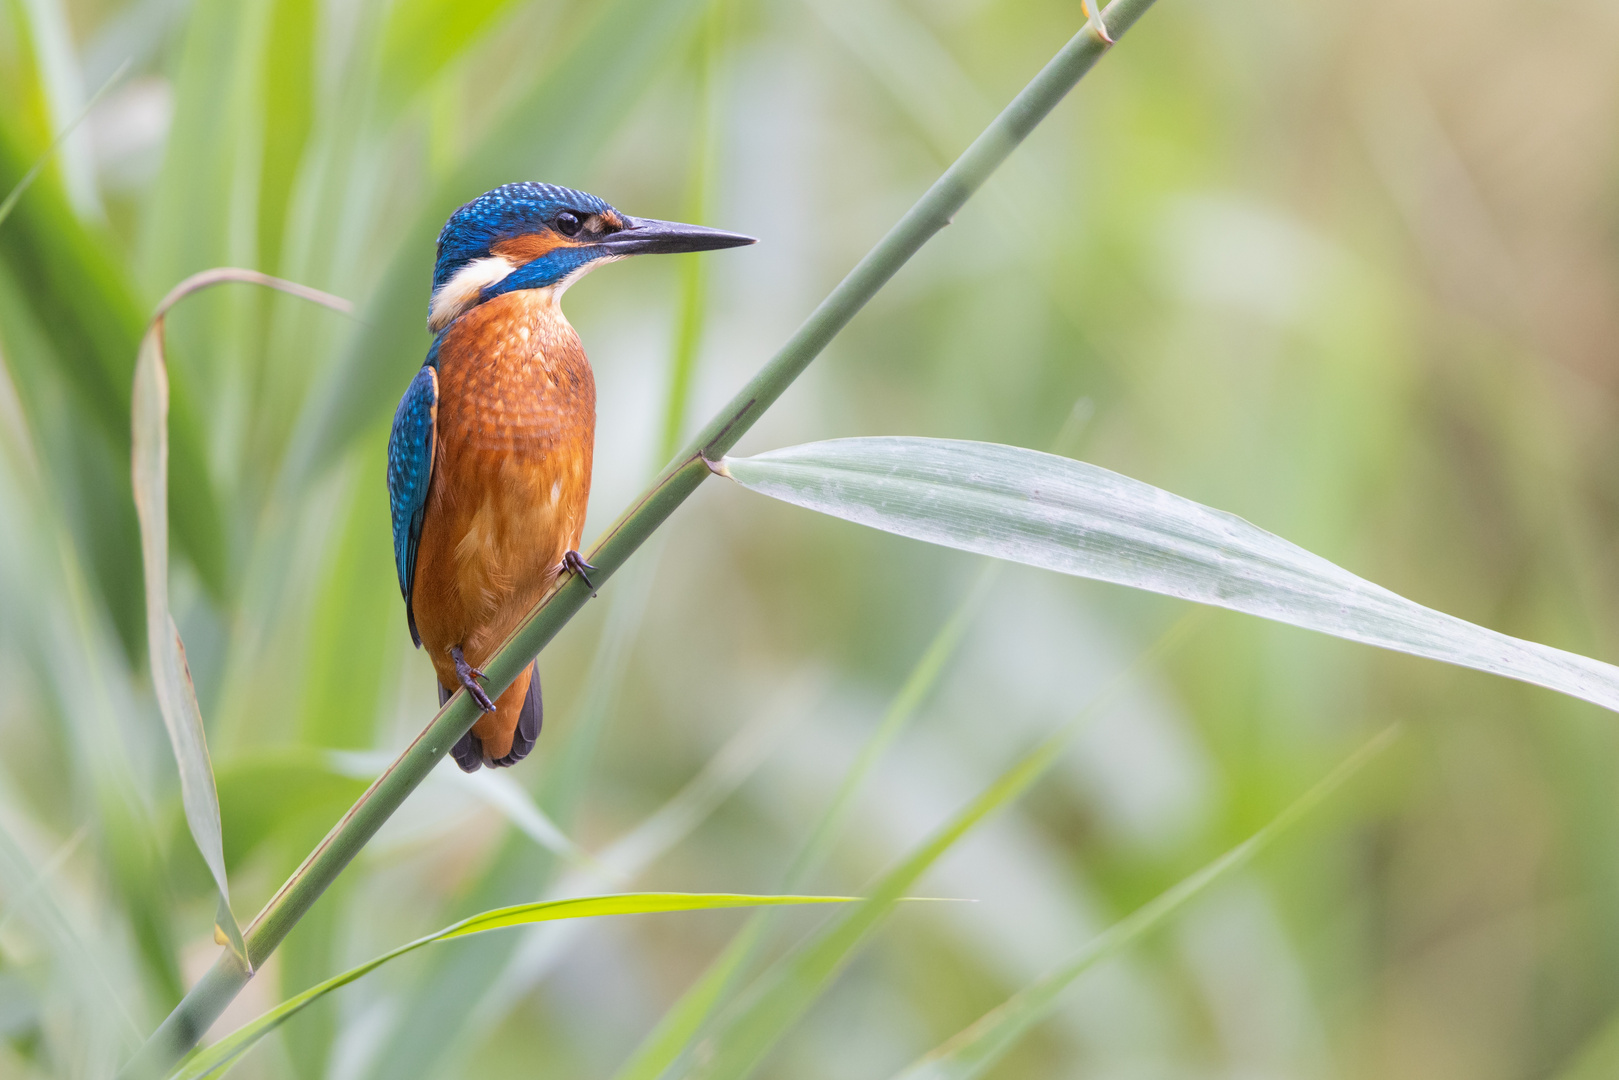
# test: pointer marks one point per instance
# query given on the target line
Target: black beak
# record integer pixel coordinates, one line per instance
(649, 236)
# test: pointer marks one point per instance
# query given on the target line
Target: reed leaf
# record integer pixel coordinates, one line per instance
(499, 792)
(422, 37)
(171, 677)
(1065, 515)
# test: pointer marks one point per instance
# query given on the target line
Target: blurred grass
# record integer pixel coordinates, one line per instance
(1357, 287)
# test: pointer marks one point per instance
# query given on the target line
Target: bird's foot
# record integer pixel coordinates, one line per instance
(575, 562)
(469, 677)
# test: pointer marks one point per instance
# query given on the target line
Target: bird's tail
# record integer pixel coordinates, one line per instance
(512, 728)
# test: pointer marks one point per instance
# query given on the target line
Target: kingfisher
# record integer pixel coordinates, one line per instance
(489, 458)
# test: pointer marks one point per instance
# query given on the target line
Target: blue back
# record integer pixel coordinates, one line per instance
(411, 447)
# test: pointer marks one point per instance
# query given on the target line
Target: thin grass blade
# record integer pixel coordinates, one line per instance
(48, 53)
(218, 1057)
(726, 771)
(422, 37)
(1065, 515)
(978, 1047)
(518, 806)
(56, 144)
(86, 689)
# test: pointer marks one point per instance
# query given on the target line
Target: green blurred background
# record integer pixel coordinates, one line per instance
(1350, 271)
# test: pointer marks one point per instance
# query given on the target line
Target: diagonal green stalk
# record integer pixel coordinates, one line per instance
(220, 985)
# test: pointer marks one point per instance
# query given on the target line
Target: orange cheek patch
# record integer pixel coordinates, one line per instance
(530, 246)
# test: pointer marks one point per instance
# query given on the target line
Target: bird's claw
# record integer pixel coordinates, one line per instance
(469, 677)
(575, 562)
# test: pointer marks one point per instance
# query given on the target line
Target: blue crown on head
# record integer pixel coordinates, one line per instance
(541, 236)
(508, 211)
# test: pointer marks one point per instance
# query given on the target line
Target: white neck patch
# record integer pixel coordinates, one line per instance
(461, 291)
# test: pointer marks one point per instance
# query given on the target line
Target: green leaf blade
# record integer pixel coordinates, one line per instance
(1064, 515)
(622, 904)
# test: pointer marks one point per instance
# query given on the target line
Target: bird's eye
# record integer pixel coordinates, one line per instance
(567, 223)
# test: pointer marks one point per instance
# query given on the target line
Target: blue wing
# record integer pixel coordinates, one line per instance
(410, 468)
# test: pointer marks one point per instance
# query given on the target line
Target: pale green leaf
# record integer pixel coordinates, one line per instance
(222, 1054)
(1080, 519)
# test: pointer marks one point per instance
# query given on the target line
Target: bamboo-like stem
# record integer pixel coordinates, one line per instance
(203, 1004)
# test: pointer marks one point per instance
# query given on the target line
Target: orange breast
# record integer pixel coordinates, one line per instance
(511, 478)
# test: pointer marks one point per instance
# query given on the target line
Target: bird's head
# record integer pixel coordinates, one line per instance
(540, 236)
